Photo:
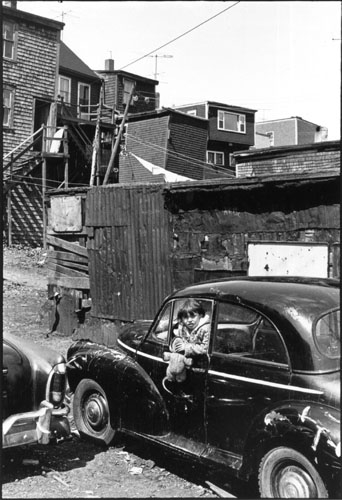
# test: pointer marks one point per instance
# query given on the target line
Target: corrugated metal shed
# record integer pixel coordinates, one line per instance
(129, 264)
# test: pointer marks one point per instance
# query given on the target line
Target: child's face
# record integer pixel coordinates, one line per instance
(191, 320)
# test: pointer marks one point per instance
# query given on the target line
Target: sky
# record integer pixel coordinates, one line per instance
(281, 59)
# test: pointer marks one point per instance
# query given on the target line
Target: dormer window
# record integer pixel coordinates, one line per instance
(232, 122)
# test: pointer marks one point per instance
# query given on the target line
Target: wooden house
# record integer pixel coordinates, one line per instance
(118, 85)
(231, 129)
(78, 86)
(164, 139)
(30, 83)
(30, 53)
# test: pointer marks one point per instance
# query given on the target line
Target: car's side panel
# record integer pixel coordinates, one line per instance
(238, 390)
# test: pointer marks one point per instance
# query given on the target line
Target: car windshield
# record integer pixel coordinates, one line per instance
(327, 334)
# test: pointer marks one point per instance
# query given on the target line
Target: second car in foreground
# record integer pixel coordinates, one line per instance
(264, 400)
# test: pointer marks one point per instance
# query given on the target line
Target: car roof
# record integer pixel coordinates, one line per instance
(250, 287)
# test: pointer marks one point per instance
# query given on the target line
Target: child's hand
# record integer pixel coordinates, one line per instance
(178, 345)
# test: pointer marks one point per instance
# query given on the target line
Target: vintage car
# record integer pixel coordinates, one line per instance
(264, 401)
(33, 391)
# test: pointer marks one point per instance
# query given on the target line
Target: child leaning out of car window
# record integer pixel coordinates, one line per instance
(192, 333)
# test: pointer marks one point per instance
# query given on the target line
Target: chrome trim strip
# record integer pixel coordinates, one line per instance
(265, 382)
(125, 346)
(140, 353)
(156, 358)
(235, 377)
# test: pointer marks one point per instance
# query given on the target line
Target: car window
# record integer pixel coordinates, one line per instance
(242, 332)
(161, 328)
(327, 334)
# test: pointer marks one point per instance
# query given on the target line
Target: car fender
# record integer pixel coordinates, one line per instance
(128, 387)
(304, 425)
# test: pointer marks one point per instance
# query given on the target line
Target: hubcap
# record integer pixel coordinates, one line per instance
(96, 412)
(294, 482)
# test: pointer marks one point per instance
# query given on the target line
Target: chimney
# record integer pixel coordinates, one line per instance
(109, 64)
(10, 3)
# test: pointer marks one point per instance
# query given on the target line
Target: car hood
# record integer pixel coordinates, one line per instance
(43, 357)
(133, 334)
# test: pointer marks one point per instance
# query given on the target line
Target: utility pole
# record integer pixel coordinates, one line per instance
(156, 63)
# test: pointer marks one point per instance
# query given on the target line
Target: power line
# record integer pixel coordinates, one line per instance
(180, 36)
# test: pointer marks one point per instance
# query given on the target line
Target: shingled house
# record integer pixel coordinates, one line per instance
(231, 129)
(30, 74)
(164, 142)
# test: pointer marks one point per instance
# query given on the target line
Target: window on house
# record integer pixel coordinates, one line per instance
(65, 89)
(215, 157)
(232, 122)
(8, 100)
(8, 35)
(83, 100)
(192, 112)
(128, 85)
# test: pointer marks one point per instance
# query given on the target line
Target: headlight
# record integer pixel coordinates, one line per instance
(338, 449)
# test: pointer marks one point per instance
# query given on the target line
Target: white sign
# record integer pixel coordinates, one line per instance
(288, 259)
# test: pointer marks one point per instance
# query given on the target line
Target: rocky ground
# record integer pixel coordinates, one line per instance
(75, 468)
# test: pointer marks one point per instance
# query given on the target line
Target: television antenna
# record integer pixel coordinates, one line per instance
(156, 62)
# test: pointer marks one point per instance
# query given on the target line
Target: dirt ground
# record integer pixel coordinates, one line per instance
(75, 468)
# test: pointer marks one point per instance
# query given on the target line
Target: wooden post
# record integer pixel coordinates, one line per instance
(117, 142)
(96, 142)
(9, 205)
(44, 186)
(66, 156)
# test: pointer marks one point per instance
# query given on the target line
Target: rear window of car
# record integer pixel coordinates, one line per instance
(327, 334)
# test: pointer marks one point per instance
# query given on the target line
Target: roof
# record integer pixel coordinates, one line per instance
(131, 76)
(248, 183)
(284, 150)
(162, 112)
(70, 62)
(218, 105)
(285, 120)
(33, 18)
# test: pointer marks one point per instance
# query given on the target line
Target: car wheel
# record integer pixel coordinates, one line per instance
(286, 473)
(91, 412)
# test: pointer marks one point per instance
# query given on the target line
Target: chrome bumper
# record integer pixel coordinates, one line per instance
(34, 426)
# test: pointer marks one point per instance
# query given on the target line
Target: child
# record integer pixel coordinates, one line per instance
(192, 334)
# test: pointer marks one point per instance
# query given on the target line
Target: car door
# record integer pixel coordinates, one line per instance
(184, 401)
(248, 372)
